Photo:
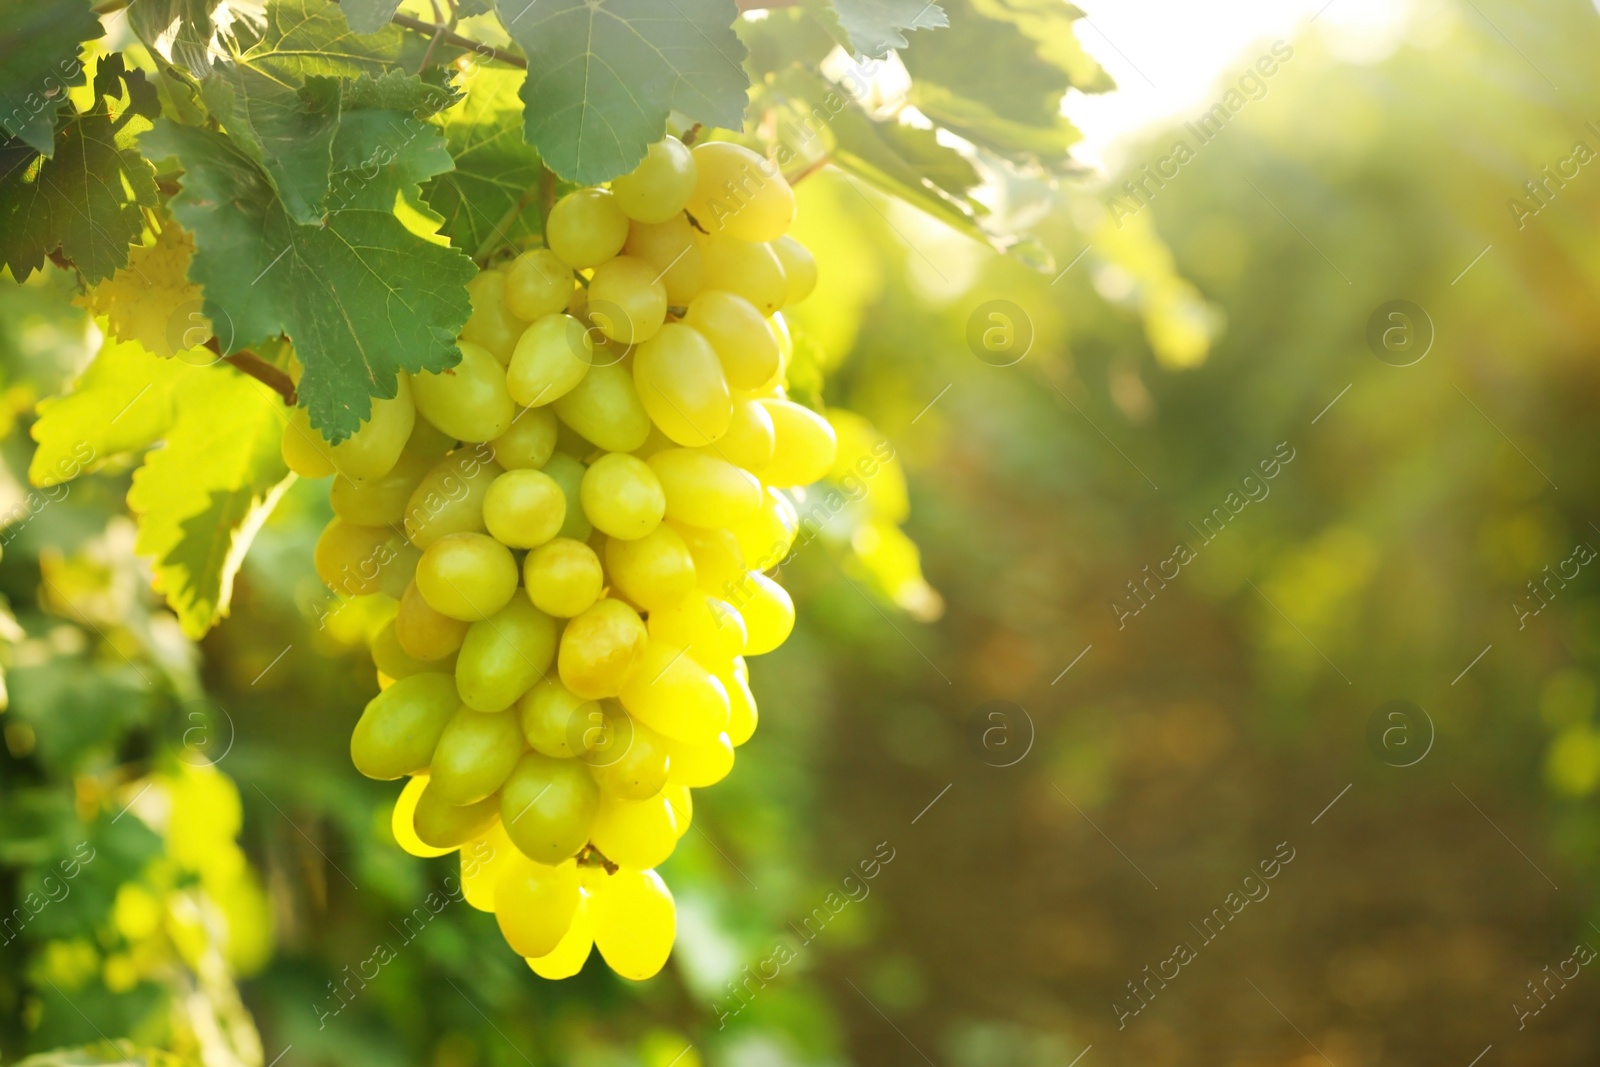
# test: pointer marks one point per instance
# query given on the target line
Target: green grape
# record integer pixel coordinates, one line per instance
(547, 806)
(467, 576)
(709, 628)
(524, 509)
(768, 614)
(799, 267)
(402, 820)
(379, 501)
(563, 577)
(538, 284)
(640, 771)
(635, 922)
(550, 359)
(671, 249)
(371, 452)
(705, 490)
(493, 325)
(569, 474)
(682, 803)
(653, 571)
(700, 766)
(752, 271)
(739, 194)
(393, 661)
(475, 755)
(468, 401)
(586, 228)
(635, 834)
(680, 383)
(449, 498)
(305, 450)
(659, 187)
(352, 560)
(718, 560)
(599, 647)
(672, 694)
(529, 442)
(554, 719)
(399, 566)
(627, 300)
(423, 633)
(445, 825)
(604, 408)
(749, 441)
(806, 445)
(428, 442)
(742, 713)
(535, 904)
(741, 338)
(504, 654)
(572, 951)
(399, 727)
(766, 537)
(622, 497)
(482, 862)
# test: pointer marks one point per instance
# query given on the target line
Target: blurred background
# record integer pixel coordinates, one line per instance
(1243, 713)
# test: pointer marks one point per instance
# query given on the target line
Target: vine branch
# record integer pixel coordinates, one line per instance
(442, 32)
(248, 362)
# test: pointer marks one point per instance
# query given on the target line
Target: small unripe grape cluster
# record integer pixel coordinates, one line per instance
(576, 524)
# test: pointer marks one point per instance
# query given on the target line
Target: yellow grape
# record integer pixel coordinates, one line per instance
(475, 754)
(700, 765)
(586, 228)
(534, 904)
(428, 442)
(605, 410)
(400, 727)
(799, 267)
(524, 509)
(482, 863)
(749, 441)
(766, 537)
(449, 498)
(659, 187)
(740, 336)
(551, 357)
(653, 571)
(353, 560)
(743, 716)
(379, 501)
(635, 922)
(572, 951)
(538, 284)
(622, 496)
(547, 806)
(674, 695)
(305, 450)
(768, 613)
(444, 825)
(467, 576)
(555, 721)
(563, 577)
(529, 441)
(634, 834)
(640, 770)
(372, 450)
(739, 194)
(681, 385)
(709, 628)
(682, 803)
(402, 820)
(705, 490)
(394, 661)
(627, 300)
(748, 270)
(568, 473)
(423, 633)
(493, 325)
(468, 401)
(806, 445)
(718, 560)
(503, 655)
(671, 249)
(599, 648)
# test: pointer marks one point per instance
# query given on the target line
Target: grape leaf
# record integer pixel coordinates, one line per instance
(873, 27)
(183, 32)
(38, 63)
(369, 16)
(604, 74)
(1049, 24)
(87, 199)
(494, 166)
(360, 295)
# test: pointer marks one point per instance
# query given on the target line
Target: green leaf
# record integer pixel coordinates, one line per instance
(87, 199)
(361, 296)
(369, 16)
(104, 1053)
(494, 166)
(873, 27)
(604, 74)
(183, 32)
(39, 62)
(1048, 23)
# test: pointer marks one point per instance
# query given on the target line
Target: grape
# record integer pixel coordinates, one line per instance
(572, 951)
(568, 474)
(680, 383)
(766, 537)
(563, 577)
(428, 442)
(768, 614)
(504, 654)
(654, 571)
(635, 922)
(700, 765)
(482, 863)
(538, 284)
(627, 300)
(402, 820)
(524, 509)
(305, 450)
(604, 408)
(467, 576)
(468, 401)
(799, 267)
(586, 228)
(805, 445)
(740, 336)
(682, 804)
(444, 825)
(622, 496)
(351, 560)
(449, 498)
(475, 755)
(547, 806)
(599, 647)
(393, 661)
(709, 628)
(635, 834)
(372, 450)
(423, 633)
(742, 713)
(704, 490)
(671, 249)
(399, 727)
(551, 358)
(718, 560)
(493, 325)
(739, 193)
(529, 442)
(554, 719)
(749, 441)
(659, 187)
(671, 693)
(640, 771)
(534, 904)
(752, 271)
(379, 501)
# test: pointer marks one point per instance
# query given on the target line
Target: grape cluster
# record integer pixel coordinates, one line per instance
(576, 522)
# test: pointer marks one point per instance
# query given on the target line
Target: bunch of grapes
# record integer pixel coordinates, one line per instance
(576, 522)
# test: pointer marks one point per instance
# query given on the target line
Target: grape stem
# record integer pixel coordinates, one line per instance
(449, 36)
(593, 857)
(249, 363)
